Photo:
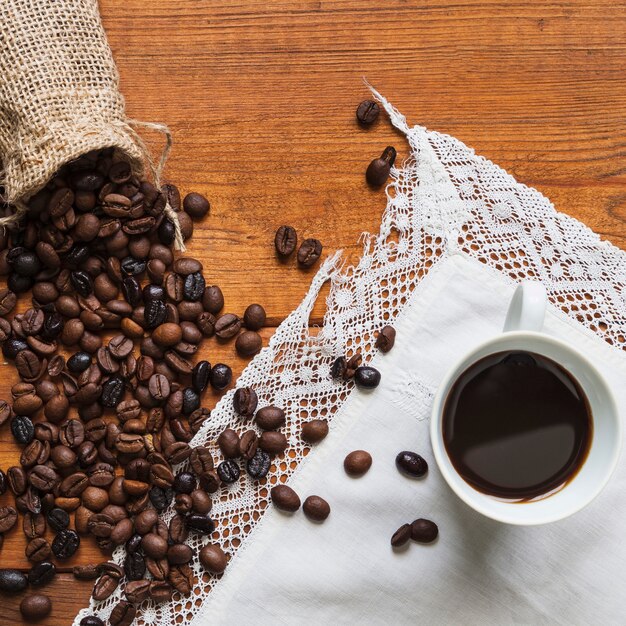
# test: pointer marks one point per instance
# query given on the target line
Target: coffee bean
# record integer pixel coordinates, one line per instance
(201, 502)
(120, 346)
(378, 170)
(43, 478)
(245, 401)
(411, 464)
(108, 581)
(65, 544)
(3, 483)
(401, 536)
(167, 334)
(8, 300)
(254, 317)
(259, 465)
(86, 572)
(357, 463)
(73, 485)
(309, 252)
(28, 365)
(180, 364)
(184, 482)
(228, 471)
(154, 546)
(58, 519)
(316, 508)
(273, 442)
(181, 578)
(314, 431)
(112, 392)
(196, 205)
(248, 443)
(270, 417)
(122, 531)
(12, 580)
(155, 314)
(13, 346)
(23, 429)
(137, 590)
(36, 452)
(227, 326)
(145, 521)
(91, 620)
(37, 550)
(213, 558)
(134, 566)
(41, 574)
(159, 568)
(202, 524)
(367, 377)
(35, 607)
(200, 376)
(159, 387)
(179, 553)
(386, 338)
(33, 525)
(367, 112)
(248, 343)
(17, 480)
(213, 299)
(221, 376)
(123, 614)
(183, 503)
(191, 401)
(285, 498)
(424, 531)
(285, 241)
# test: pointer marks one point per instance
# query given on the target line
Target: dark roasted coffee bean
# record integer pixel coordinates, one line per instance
(166, 232)
(285, 498)
(259, 465)
(122, 531)
(8, 518)
(309, 252)
(120, 346)
(386, 338)
(213, 558)
(73, 485)
(112, 392)
(35, 607)
(193, 288)
(26, 263)
(35, 453)
(30, 501)
(200, 376)
(248, 443)
(13, 346)
(200, 502)
(161, 476)
(245, 401)
(401, 536)
(131, 289)
(411, 464)
(159, 568)
(91, 620)
(220, 377)
(270, 418)
(101, 475)
(179, 553)
(65, 544)
(23, 429)
(133, 267)
(184, 482)
(314, 431)
(19, 284)
(29, 365)
(33, 525)
(285, 241)
(378, 170)
(184, 367)
(183, 503)
(41, 574)
(200, 523)
(32, 321)
(123, 614)
(191, 401)
(248, 343)
(367, 112)
(424, 531)
(316, 508)
(367, 377)
(254, 317)
(37, 550)
(160, 591)
(227, 326)
(78, 362)
(210, 481)
(58, 519)
(228, 471)
(12, 580)
(161, 497)
(81, 281)
(196, 205)
(186, 266)
(197, 419)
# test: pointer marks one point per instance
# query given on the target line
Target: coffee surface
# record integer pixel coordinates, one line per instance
(516, 425)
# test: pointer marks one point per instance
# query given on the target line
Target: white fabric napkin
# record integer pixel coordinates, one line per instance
(344, 571)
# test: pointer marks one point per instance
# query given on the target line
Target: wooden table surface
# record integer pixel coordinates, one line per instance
(261, 95)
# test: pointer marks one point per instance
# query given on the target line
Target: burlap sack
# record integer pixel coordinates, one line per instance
(59, 96)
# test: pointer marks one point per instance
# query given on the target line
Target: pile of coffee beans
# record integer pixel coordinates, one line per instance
(110, 394)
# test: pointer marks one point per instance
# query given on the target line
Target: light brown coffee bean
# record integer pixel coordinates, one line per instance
(213, 558)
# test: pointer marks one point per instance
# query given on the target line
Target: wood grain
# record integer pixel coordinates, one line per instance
(260, 97)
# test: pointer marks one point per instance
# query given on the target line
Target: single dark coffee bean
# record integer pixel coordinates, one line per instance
(213, 558)
(134, 566)
(200, 376)
(202, 524)
(12, 580)
(196, 205)
(58, 519)
(245, 401)
(285, 498)
(184, 482)
(112, 392)
(155, 314)
(316, 508)
(378, 170)
(23, 429)
(26, 264)
(120, 346)
(181, 578)
(386, 338)
(228, 471)
(248, 343)
(314, 431)
(65, 544)
(179, 364)
(86, 572)
(35, 607)
(29, 365)
(200, 502)
(227, 326)
(254, 317)
(309, 252)
(123, 614)
(367, 377)
(13, 346)
(131, 289)
(273, 442)
(220, 377)
(270, 417)
(41, 574)
(91, 620)
(81, 282)
(132, 267)
(401, 536)
(259, 465)
(357, 463)
(411, 464)
(79, 362)
(191, 401)
(161, 498)
(285, 240)
(367, 112)
(424, 531)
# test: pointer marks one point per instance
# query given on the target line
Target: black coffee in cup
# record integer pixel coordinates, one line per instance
(516, 425)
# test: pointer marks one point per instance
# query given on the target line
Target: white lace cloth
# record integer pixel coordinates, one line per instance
(443, 202)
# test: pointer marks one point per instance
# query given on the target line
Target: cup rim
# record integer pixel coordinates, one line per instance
(441, 455)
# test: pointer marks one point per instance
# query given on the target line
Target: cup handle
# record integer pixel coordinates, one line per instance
(528, 307)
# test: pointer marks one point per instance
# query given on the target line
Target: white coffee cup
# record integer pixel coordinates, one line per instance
(522, 331)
